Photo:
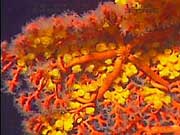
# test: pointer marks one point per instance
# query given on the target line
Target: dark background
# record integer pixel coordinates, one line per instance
(14, 15)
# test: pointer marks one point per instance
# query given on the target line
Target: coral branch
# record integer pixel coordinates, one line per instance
(92, 57)
(148, 71)
(110, 78)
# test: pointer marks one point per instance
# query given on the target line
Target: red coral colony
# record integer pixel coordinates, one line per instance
(112, 71)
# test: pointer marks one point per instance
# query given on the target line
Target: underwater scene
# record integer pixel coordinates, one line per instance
(91, 68)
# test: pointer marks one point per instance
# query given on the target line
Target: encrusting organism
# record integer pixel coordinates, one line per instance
(115, 70)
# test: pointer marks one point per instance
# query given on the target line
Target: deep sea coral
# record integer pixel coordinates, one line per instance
(115, 70)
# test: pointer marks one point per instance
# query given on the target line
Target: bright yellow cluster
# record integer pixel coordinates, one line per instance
(155, 97)
(129, 71)
(121, 2)
(169, 64)
(53, 74)
(62, 125)
(84, 90)
(118, 95)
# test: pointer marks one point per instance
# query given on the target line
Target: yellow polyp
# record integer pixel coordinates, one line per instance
(121, 100)
(30, 56)
(90, 68)
(164, 72)
(80, 92)
(47, 54)
(166, 100)
(101, 47)
(177, 66)
(21, 62)
(67, 58)
(110, 69)
(173, 58)
(55, 73)
(108, 61)
(92, 87)
(148, 91)
(130, 70)
(112, 46)
(163, 60)
(118, 88)
(51, 85)
(68, 124)
(87, 96)
(157, 103)
(124, 78)
(59, 124)
(108, 95)
(155, 97)
(74, 94)
(46, 130)
(77, 86)
(174, 74)
(121, 2)
(59, 133)
(100, 80)
(79, 120)
(90, 110)
(74, 105)
(125, 94)
(76, 69)
(105, 25)
(160, 67)
(46, 41)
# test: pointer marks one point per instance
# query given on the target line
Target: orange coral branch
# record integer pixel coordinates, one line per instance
(163, 129)
(82, 100)
(91, 57)
(110, 78)
(82, 107)
(148, 71)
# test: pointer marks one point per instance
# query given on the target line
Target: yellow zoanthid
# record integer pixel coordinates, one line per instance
(55, 73)
(51, 85)
(169, 64)
(74, 105)
(121, 2)
(65, 122)
(109, 69)
(90, 68)
(130, 69)
(118, 95)
(155, 97)
(90, 110)
(76, 69)
(108, 61)
(67, 58)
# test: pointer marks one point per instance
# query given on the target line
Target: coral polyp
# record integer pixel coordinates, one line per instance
(115, 70)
